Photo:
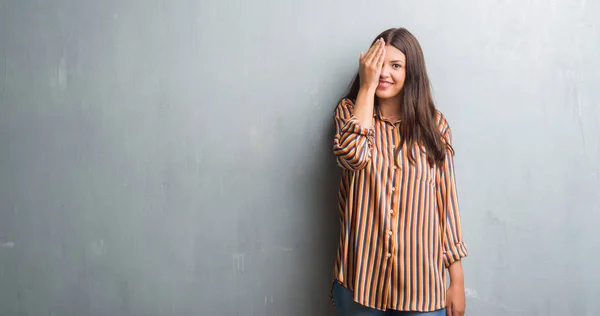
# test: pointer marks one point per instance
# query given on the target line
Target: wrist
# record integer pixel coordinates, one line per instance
(368, 89)
(457, 280)
(454, 283)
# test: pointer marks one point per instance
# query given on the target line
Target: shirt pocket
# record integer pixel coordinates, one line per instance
(423, 171)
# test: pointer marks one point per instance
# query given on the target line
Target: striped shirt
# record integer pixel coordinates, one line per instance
(400, 225)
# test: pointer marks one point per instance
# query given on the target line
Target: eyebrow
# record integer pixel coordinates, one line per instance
(396, 61)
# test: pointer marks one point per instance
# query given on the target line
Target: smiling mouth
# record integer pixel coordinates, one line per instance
(384, 84)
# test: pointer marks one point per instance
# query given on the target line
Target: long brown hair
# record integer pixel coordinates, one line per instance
(419, 114)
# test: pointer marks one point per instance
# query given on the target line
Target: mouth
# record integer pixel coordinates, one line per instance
(384, 84)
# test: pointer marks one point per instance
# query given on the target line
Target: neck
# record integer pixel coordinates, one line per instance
(391, 107)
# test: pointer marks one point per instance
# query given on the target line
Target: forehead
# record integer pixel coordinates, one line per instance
(392, 53)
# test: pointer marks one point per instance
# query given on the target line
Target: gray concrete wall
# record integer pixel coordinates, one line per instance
(174, 157)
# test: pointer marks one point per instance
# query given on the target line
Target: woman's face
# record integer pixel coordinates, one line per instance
(393, 72)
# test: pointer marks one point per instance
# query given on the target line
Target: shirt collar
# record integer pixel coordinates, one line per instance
(377, 112)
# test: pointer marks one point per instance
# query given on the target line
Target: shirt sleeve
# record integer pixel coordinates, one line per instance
(353, 143)
(447, 200)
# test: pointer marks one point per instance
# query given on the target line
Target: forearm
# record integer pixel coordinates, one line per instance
(364, 106)
(352, 142)
(455, 271)
(447, 196)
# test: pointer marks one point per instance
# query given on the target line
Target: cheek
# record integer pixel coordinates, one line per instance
(401, 75)
(400, 78)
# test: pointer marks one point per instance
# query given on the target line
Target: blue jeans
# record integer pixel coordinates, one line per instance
(346, 306)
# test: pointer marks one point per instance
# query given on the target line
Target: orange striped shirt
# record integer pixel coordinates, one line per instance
(400, 224)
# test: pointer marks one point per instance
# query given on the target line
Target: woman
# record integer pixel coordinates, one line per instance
(400, 225)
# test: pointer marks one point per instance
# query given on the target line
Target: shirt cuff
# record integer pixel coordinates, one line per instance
(353, 126)
(455, 253)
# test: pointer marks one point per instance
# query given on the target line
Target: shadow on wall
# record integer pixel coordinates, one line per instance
(317, 230)
(321, 183)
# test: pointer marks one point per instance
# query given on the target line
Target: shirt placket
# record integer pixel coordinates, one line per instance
(394, 203)
(392, 215)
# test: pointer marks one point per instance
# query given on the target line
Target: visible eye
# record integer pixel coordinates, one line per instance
(396, 66)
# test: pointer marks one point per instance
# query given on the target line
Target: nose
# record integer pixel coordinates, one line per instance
(385, 71)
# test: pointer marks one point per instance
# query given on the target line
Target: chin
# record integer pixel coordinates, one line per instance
(386, 94)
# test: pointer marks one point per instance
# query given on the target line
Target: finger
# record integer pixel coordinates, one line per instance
(382, 52)
(362, 56)
(369, 52)
(367, 57)
(381, 58)
(372, 54)
(380, 49)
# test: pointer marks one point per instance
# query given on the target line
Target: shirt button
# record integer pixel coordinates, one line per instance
(391, 211)
(389, 255)
(393, 189)
(390, 233)
(393, 146)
